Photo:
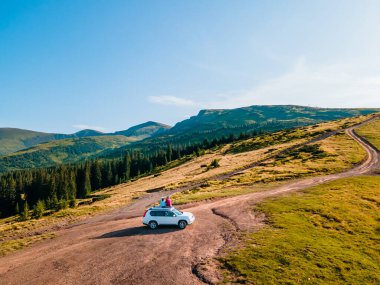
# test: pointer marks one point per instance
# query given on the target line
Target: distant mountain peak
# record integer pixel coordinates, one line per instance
(88, 133)
(146, 129)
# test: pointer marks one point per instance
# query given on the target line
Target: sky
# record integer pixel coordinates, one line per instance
(111, 64)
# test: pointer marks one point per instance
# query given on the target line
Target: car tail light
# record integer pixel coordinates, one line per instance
(145, 213)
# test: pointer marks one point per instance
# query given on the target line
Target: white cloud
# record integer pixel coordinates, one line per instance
(171, 100)
(331, 85)
(87, 127)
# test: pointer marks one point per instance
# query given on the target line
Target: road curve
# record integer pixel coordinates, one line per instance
(121, 251)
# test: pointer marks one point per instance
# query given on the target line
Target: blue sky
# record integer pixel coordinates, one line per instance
(108, 65)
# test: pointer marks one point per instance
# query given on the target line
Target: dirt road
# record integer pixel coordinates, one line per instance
(117, 249)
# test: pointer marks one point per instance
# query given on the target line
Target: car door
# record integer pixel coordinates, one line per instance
(158, 216)
(169, 218)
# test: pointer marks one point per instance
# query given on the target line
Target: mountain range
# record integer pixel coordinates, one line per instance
(22, 149)
(13, 139)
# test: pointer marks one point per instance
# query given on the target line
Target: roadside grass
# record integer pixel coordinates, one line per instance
(371, 132)
(10, 246)
(15, 233)
(328, 234)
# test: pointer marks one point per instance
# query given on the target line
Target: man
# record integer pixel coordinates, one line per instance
(162, 203)
(168, 202)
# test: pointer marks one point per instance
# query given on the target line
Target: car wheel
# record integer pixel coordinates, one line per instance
(182, 224)
(153, 225)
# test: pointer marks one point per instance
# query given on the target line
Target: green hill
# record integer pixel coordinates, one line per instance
(61, 151)
(12, 139)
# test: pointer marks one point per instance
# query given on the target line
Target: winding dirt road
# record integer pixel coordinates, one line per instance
(116, 248)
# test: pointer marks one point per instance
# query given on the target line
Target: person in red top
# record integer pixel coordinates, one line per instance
(168, 202)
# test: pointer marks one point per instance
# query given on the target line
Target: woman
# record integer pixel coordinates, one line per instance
(162, 203)
(168, 202)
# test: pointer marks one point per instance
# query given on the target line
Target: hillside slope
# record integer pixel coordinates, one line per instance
(210, 124)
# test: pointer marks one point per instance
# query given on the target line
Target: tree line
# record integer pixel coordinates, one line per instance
(58, 187)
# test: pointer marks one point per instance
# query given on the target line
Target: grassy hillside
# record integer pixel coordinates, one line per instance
(210, 124)
(329, 234)
(371, 132)
(267, 118)
(332, 155)
(61, 151)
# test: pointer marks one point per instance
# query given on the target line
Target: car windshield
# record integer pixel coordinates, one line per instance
(178, 213)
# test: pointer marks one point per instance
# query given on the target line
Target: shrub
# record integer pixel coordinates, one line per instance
(62, 204)
(214, 163)
(38, 209)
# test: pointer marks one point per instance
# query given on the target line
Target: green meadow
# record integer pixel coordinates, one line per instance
(329, 234)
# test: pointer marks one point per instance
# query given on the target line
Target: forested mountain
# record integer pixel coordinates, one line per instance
(61, 149)
(61, 152)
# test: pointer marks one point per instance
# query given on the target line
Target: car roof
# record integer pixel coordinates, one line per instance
(161, 209)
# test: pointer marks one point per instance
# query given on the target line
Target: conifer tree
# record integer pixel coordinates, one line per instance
(84, 187)
(96, 176)
(25, 212)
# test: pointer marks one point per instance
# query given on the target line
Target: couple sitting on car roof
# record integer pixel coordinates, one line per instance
(166, 202)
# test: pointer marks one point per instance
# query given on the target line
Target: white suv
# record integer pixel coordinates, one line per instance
(156, 216)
